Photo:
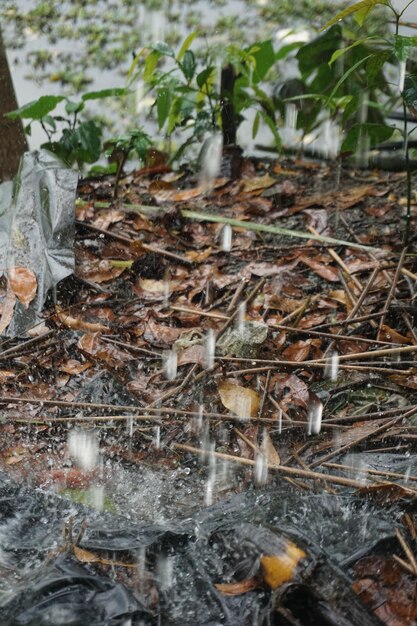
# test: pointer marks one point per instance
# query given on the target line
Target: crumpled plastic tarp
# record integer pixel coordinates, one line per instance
(211, 547)
(37, 229)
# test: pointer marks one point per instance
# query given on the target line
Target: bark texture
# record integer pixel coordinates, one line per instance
(12, 137)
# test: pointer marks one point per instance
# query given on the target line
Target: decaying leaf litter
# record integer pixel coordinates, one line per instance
(265, 324)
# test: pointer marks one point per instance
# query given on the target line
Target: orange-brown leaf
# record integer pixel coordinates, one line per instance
(23, 284)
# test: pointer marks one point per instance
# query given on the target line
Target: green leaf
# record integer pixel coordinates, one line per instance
(204, 76)
(346, 75)
(186, 44)
(273, 128)
(104, 93)
(363, 7)
(163, 103)
(73, 107)
(410, 90)
(374, 67)
(188, 65)
(88, 135)
(37, 109)
(264, 56)
(374, 134)
(403, 45)
(163, 48)
(285, 50)
(256, 123)
(319, 51)
(342, 51)
(150, 65)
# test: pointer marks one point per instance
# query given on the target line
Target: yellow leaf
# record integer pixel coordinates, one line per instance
(242, 401)
(279, 569)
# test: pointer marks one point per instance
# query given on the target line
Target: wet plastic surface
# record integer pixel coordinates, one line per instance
(184, 559)
(37, 228)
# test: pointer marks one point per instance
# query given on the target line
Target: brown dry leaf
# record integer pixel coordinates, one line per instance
(281, 568)
(312, 319)
(158, 287)
(297, 351)
(193, 354)
(76, 324)
(388, 494)
(404, 380)
(85, 556)
(5, 374)
(348, 199)
(258, 183)
(74, 367)
(8, 309)
(259, 268)
(237, 589)
(281, 303)
(387, 589)
(14, 459)
(328, 272)
(392, 336)
(340, 296)
(272, 454)
(23, 284)
(105, 218)
(296, 391)
(198, 255)
(242, 401)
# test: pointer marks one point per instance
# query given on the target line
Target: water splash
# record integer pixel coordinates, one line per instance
(83, 447)
(170, 359)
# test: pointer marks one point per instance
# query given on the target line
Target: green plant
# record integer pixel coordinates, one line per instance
(119, 149)
(192, 93)
(72, 140)
(395, 49)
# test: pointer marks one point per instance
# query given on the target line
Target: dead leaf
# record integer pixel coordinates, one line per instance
(85, 556)
(242, 401)
(281, 568)
(272, 454)
(328, 272)
(23, 284)
(297, 351)
(77, 324)
(74, 367)
(158, 287)
(237, 589)
(193, 354)
(258, 183)
(390, 335)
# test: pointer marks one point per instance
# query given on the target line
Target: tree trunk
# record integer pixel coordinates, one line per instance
(12, 137)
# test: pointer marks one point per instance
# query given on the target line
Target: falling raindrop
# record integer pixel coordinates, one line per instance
(210, 160)
(243, 407)
(241, 317)
(210, 349)
(226, 238)
(170, 364)
(314, 415)
(279, 421)
(157, 438)
(331, 368)
(401, 77)
(208, 495)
